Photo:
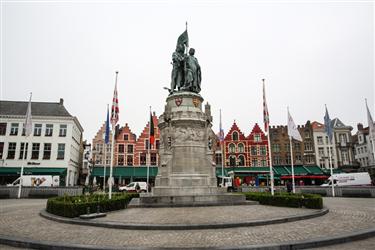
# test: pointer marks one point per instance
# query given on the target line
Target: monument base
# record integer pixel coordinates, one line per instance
(225, 199)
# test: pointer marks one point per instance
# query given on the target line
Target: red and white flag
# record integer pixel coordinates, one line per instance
(115, 109)
(266, 116)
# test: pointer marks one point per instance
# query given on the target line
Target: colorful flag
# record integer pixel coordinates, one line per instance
(371, 125)
(115, 109)
(107, 128)
(328, 125)
(152, 131)
(265, 110)
(221, 131)
(292, 129)
(28, 122)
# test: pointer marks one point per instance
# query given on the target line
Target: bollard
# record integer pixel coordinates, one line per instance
(88, 210)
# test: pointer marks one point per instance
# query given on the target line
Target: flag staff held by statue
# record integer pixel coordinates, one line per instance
(114, 120)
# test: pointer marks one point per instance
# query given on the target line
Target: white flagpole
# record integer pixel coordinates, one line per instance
(330, 166)
(112, 146)
(222, 153)
(104, 165)
(270, 158)
(371, 133)
(148, 149)
(291, 158)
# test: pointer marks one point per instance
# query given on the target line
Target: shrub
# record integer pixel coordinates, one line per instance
(73, 206)
(287, 200)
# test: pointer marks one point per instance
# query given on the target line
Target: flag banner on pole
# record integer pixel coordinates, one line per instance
(183, 39)
(265, 110)
(292, 129)
(221, 132)
(371, 125)
(115, 109)
(152, 131)
(28, 121)
(106, 139)
(328, 125)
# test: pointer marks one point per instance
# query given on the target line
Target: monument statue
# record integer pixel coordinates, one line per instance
(186, 72)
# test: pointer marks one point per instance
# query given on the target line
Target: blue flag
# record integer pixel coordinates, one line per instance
(328, 126)
(107, 128)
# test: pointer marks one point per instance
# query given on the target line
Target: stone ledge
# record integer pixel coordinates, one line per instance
(92, 216)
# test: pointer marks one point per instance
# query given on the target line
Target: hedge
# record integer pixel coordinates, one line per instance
(287, 200)
(74, 206)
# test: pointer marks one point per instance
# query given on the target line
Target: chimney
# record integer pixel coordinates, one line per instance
(61, 101)
(360, 126)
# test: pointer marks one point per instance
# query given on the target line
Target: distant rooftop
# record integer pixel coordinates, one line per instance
(37, 108)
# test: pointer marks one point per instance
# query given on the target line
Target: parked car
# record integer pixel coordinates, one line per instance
(132, 187)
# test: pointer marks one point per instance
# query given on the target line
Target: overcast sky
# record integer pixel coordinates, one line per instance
(310, 53)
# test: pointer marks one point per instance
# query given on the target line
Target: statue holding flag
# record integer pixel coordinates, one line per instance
(186, 72)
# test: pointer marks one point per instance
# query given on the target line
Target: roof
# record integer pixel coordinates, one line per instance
(37, 108)
(336, 123)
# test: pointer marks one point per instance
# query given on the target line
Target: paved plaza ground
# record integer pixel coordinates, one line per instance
(20, 218)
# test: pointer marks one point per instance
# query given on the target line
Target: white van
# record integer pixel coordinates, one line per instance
(131, 187)
(349, 179)
(37, 181)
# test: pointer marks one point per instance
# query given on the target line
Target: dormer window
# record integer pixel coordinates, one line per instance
(257, 138)
(235, 136)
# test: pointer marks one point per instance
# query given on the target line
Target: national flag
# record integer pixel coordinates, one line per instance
(265, 110)
(183, 39)
(328, 125)
(28, 121)
(106, 139)
(152, 131)
(371, 125)
(292, 129)
(115, 109)
(221, 131)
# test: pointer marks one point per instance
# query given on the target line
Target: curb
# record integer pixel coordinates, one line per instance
(311, 243)
(117, 225)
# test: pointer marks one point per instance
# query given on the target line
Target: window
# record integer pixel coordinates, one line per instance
(345, 157)
(49, 129)
(62, 132)
(3, 128)
(309, 159)
(287, 147)
(342, 138)
(23, 152)
(232, 161)
(60, 151)
(307, 134)
(120, 160)
(298, 158)
(1, 150)
(240, 148)
(35, 151)
(308, 147)
(263, 150)
(275, 148)
(254, 162)
(37, 129)
(157, 144)
(257, 138)
(130, 149)
(126, 137)
(142, 159)
(129, 160)
(276, 160)
(253, 150)
(287, 159)
(146, 144)
(235, 136)
(264, 163)
(153, 159)
(11, 150)
(241, 160)
(232, 148)
(14, 129)
(47, 151)
(121, 148)
(319, 140)
(297, 146)
(321, 152)
(218, 158)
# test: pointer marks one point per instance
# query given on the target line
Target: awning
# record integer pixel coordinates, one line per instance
(305, 177)
(10, 171)
(126, 172)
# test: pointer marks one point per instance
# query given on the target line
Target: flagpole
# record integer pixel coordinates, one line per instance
(270, 159)
(28, 130)
(112, 145)
(104, 165)
(222, 153)
(291, 158)
(330, 166)
(371, 133)
(267, 129)
(148, 149)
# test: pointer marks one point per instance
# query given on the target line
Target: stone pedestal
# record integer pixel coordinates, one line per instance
(186, 166)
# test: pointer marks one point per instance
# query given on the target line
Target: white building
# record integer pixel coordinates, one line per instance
(321, 144)
(343, 137)
(52, 149)
(362, 148)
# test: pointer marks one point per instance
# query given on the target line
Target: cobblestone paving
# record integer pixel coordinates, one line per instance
(201, 215)
(368, 244)
(19, 218)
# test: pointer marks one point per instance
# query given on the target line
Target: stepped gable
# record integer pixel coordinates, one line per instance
(234, 128)
(317, 125)
(256, 130)
(132, 138)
